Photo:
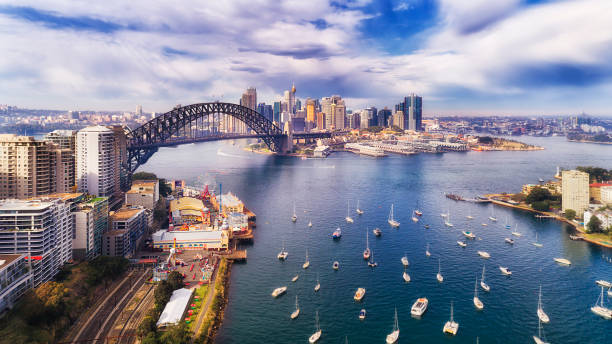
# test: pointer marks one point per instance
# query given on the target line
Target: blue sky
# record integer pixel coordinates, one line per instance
(464, 57)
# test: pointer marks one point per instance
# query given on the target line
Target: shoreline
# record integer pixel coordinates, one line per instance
(588, 141)
(216, 308)
(554, 216)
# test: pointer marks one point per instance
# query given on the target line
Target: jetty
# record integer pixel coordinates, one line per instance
(236, 255)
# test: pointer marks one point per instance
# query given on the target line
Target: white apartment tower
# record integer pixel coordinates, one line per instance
(96, 161)
(575, 191)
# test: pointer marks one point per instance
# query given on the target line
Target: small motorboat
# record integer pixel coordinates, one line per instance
(377, 232)
(484, 254)
(509, 241)
(279, 291)
(505, 270)
(461, 243)
(362, 314)
(563, 261)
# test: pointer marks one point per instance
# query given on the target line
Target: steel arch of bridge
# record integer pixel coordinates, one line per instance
(143, 141)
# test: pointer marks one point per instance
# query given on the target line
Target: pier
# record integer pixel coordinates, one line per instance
(237, 255)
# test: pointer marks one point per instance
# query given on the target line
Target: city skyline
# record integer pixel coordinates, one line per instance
(513, 58)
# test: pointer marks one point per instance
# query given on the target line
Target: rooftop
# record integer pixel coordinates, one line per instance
(95, 129)
(20, 204)
(184, 203)
(598, 185)
(7, 259)
(165, 235)
(65, 196)
(125, 214)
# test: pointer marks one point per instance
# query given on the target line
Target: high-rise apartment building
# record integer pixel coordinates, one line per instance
(276, 112)
(289, 97)
(383, 117)
(64, 139)
(412, 107)
(26, 167)
(41, 229)
(90, 223)
(249, 98)
(64, 159)
(126, 230)
(96, 161)
(575, 191)
(321, 121)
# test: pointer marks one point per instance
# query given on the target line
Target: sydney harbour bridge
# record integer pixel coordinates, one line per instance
(206, 122)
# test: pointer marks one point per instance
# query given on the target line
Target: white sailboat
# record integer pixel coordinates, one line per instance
(600, 309)
(516, 232)
(372, 263)
(484, 254)
(504, 270)
(427, 253)
(317, 334)
(366, 252)
(439, 274)
(393, 336)
(451, 327)
(461, 243)
(479, 305)
(417, 211)
(296, 312)
(295, 278)
(469, 215)
(492, 217)
(282, 255)
(318, 285)
(483, 285)
(358, 210)
(538, 339)
(541, 314)
(447, 223)
(414, 217)
(294, 217)
(537, 243)
(391, 221)
(306, 262)
(309, 223)
(348, 217)
(279, 291)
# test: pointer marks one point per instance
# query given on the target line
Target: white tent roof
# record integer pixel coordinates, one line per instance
(175, 308)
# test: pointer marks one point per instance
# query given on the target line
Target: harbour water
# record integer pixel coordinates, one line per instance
(321, 187)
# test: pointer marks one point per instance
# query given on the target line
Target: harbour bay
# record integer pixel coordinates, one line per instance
(321, 187)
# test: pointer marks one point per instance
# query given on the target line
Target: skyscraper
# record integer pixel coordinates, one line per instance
(277, 111)
(383, 117)
(265, 110)
(96, 161)
(290, 99)
(335, 112)
(575, 191)
(249, 98)
(412, 107)
(310, 110)
(26, 167)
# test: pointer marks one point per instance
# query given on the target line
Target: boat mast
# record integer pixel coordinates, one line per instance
(396, 323)
(451, 319)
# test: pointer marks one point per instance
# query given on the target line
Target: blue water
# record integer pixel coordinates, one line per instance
(320, 188)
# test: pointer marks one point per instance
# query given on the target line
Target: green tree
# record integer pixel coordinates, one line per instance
(144, 176)
(594, 225)
(178, 334)
(570, 214)
(175, 280)
(519, 197)
(162, 294)
(147, 325)
(538, 194)
(103, 268)
(597, 174)
(150, 338)
(164, 189)
(541, 205)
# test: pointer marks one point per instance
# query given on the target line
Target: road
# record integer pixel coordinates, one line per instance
(209, 298)
(100, 322)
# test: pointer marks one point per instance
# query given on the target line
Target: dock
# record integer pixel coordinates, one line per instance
(251, 215)
(237, 255)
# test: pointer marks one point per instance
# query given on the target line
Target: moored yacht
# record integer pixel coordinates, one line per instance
(377, 232)
(318, 285)
(279, 291)
(295, 278)
(282, 255)
(541, 314)
(600, 309)
(337, 234)
(406, 276)
(393, 336)
(505, 270)
(294, 216)
(366, 252)
(358, 210)
(296, 312)
(362, 314)
(563, 261)
(405, 261)
(509, 241)
(484, 254)
(439, 274)
(427, 253)
(477, 303)
(336, 265)
(604, 283)
(483, 285)
(348, 217)
(306, 262)
(461, 243)
(538, 339)
(469, 234)
(419, 307)
(359, 294)
(392, 221)
(315, 336)
(451, 326)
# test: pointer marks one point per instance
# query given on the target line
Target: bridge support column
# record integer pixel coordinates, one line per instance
(286, 145)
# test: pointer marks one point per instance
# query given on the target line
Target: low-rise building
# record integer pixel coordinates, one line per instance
(595, 191)
(606, 194)
(527, 188)
(126, 230)
(188, 210)
(231, 204)
(143, 193)
(321, 151)
(605, 216)
(238, 222)
(191, 240)
(176, 307)
(15, 279)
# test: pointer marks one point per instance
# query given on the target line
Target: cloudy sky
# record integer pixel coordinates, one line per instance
(463, 57)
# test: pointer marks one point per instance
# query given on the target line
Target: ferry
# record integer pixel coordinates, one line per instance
(337, 234)
(279, 291)
(359, 294)
(419, 307)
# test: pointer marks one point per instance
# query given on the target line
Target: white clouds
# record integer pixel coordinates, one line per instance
(114, 54)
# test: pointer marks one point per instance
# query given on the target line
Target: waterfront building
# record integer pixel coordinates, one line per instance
(191, 240)
(238, 222)
(90, 223)
(321, 151)
(605, 216)
(595, 191)
(575, 191)
(126, 230)
(96, 161)
(42, 230)
(412, 107)
(26, 167)
(15, 279)
(144, 193)
(606, 194)
(230, 204)
(188, 211)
